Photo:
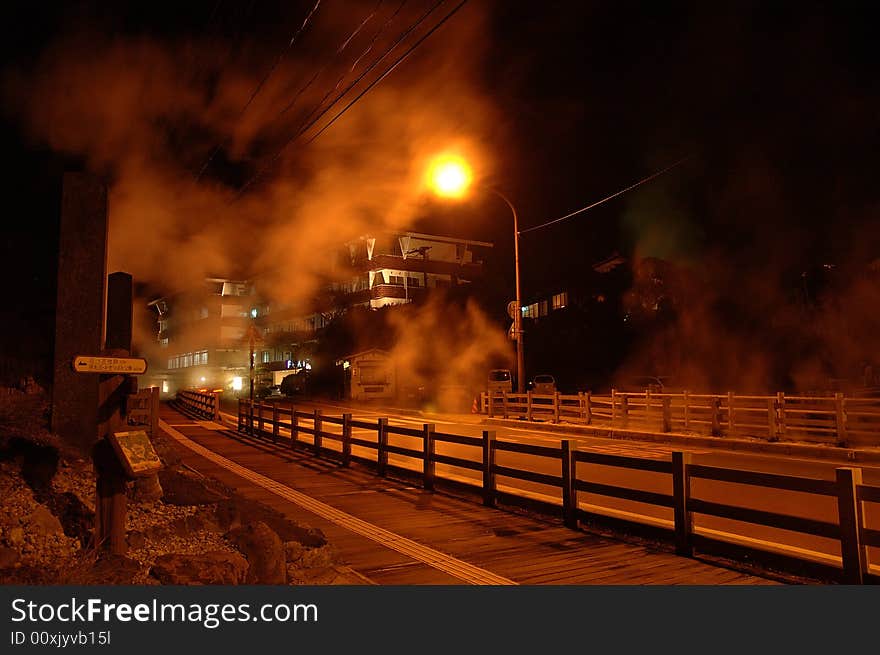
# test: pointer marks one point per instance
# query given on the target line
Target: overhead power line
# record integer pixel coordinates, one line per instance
(388, 70)
(310, 123)
(262, 83)
(604, 200)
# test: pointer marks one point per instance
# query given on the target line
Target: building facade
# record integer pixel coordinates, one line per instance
(206, 335)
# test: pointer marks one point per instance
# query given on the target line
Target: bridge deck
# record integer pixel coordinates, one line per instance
(374, 522)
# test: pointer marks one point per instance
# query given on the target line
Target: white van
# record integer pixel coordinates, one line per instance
(500, 380)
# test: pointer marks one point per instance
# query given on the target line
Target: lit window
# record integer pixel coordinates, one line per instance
(171, 363)
(254, 312)
(560, 300)
(266, 359)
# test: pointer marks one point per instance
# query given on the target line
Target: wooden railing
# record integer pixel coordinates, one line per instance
(837, 420)
(206, 404)
(566, 480)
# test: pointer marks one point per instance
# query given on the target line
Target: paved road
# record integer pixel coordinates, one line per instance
(779, 501)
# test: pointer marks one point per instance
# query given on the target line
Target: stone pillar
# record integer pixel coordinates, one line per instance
(79, 321)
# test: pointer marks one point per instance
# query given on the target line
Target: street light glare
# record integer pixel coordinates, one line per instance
(450, 176)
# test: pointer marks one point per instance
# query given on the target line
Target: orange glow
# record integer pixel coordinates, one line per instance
(449, 176)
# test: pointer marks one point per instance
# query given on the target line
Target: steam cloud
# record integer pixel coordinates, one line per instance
(149, 112)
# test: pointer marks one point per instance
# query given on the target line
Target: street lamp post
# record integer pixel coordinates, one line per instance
(450, 176)
(517, 318)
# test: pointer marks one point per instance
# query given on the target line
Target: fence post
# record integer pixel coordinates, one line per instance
(648, 408)
(381, 443)
(613, 406)
(667, 413)
(346, 439)
(528, 405)
(504, 403)
(840, 418)
(582, 414)
(569, 488)
(771, 419)
(317, 425)
(687, 409)
(294, 426)
(491, 405)
(489, 468)
(556, 407)
(851, 519)
(680, 496)
(731, 414)
(250, 418)
(715, 406)
(588, 397)
(624, 410)
(482, 402)
(154, 412)
(780, 408)
(240, 416)
(260, 418)
(216, 395)
(428, 435)
(274, 422)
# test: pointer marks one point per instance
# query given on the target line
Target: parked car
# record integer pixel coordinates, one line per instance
(294, 384)
(500, 380)
(543, 384)
(270, 392)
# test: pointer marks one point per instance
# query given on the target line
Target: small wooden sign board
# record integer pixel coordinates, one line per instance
(136, 453)
(110, 365)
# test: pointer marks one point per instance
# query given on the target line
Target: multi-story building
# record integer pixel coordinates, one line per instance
(373, 271)
(204, 335)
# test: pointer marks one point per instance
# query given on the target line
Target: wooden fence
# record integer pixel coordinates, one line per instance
(567, 481)
(837, 420)
(204, 404)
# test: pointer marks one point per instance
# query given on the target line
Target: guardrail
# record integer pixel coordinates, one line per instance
(567, 480)
(837, 420)
(206, 404)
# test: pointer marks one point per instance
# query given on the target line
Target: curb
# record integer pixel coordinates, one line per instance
(789, 448)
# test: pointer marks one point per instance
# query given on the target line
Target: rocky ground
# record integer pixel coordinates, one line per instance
(182, 528)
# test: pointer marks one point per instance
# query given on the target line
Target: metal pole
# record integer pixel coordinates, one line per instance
(517, 320)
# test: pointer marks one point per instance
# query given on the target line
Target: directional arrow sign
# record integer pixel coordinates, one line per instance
(128, 365)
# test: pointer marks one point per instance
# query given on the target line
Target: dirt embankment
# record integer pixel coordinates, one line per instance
(187, 529)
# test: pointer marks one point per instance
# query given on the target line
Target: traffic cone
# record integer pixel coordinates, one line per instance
(475, 408)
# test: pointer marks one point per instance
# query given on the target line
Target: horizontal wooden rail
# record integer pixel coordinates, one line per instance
(458, 439)
(638, 495)
(530, 476)
(868, 494)
(457, 461)
(622, 461)
(527, 449)
(771, 519)
(774, 480)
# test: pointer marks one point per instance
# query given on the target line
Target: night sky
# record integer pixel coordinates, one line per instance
(775, 105)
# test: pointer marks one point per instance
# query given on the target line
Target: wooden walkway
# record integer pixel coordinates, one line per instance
(395, 534)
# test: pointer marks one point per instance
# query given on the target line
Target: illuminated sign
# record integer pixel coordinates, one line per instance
(127, 365)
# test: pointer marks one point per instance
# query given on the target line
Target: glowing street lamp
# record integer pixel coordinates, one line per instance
(450, 176)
